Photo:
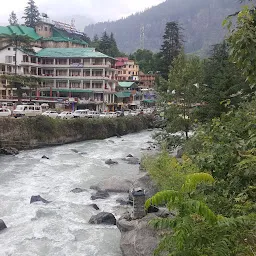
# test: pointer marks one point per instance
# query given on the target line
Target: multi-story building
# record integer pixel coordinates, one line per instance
(68, 69)
(81, 75)
(127, 69)
(147, 81)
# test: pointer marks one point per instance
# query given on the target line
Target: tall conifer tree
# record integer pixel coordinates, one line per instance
(171, 46)
(13, 19)
(31, 14)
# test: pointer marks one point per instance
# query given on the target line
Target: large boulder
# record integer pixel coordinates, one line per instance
(9, 151)
(101, 194)
(110, 162)
(114, 184)
(38, 198)
(103, 218)
(2, 225)
(45, 157)
(137, 236)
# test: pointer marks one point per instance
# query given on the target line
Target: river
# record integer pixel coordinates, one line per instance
(61, 227)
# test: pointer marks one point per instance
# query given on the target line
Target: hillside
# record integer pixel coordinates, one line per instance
(201, 20)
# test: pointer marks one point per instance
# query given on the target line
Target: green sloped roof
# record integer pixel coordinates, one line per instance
(70, 53)
(123, 94)
(63, 36)
(19, 30)
(126, 84)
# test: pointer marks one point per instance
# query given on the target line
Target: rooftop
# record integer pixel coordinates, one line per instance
(19, 30)
(126, 84)
(71, 53)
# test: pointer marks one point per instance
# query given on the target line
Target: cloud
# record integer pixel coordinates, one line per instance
(96, 10)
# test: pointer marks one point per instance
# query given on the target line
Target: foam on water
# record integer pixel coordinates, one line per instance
(61, 228)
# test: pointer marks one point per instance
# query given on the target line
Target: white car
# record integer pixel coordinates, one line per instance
(5, 112)
(81, 113)
(93, 114)
(134, 113)
(65, 115)
(51, 113)
(112, 114)
(28, 110)
(105, 115)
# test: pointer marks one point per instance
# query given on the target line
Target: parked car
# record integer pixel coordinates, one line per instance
(119, 113)
(65, 115)
(51, 113)
(105, 115)
(134, 113)
(81, 113)
(27, 110)
(93, 114)
(112, 114)
(5, 112)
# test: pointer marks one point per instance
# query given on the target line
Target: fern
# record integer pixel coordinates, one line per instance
(193, 180)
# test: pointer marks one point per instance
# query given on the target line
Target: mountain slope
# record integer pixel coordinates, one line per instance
(201, 20)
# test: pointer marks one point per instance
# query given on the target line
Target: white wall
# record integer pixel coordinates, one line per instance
(5, 52)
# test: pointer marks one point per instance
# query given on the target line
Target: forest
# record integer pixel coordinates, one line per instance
(200, 19)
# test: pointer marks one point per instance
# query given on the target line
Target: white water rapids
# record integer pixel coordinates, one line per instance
(61, 227)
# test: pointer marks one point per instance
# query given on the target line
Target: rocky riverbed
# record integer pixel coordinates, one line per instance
(67, 178)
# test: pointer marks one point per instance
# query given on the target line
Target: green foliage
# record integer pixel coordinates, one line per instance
(13, 19)
(223, 82)
(242, 41)
(180, 92)
(31, 14)
(106, 44)
(167, 171)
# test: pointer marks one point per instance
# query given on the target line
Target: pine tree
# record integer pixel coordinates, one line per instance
(13, 19)
(171, 46)
(105, 43)
(31, 14)
(114, 52)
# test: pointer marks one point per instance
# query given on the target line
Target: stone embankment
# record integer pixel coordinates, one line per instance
(28, 133)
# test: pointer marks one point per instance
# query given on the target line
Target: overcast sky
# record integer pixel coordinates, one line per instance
(90, 10)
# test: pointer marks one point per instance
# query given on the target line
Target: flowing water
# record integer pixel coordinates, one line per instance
(61, 227)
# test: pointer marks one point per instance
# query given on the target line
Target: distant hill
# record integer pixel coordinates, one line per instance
(201, 20)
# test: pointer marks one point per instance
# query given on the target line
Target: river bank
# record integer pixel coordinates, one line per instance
(29, 133)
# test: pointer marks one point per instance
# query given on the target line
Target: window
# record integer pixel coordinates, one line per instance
(124, 72)
(9, 49)
(45, 28)
(8, 59)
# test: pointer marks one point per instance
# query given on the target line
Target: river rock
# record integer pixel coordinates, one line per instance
(2, 225)
(130, 155)
(122, 201)
(111, 141)
(144, 181)
(179, 153)
(45, 157)
(113, 184)
(9, 151)
(95, 206)
(133, 160)
(74, 150)
(152, 209)
(77, 190)
(103, 218)
(110, 162)
(38, 199)
(101, 194)
(138, 236)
